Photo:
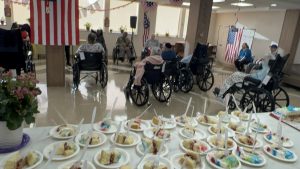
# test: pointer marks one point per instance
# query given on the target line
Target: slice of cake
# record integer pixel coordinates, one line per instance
(189, 160)
(31, 158)
(105, 125)
(156, 120)
(194, 145)
(14, 162)
(150, 165)
(189, 131)
(66, 149)
(109, 157)
(122, 138)
(152, 145)
(135, 124)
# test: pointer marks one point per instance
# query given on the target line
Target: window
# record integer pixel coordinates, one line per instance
(21, 13)
(186, 22)
(167, 20)
(96, 19)
(121, 17)
(2, 17)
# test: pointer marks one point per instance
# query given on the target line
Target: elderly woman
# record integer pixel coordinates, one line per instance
(154, 58)
(91, 46)
(237, 77)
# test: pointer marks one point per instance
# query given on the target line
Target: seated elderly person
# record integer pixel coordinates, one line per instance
(237, 77)
(152, 42)
(154, 58)
(91, 46)
(168, 53)
(124, 46)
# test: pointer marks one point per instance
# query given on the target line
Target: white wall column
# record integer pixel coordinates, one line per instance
(106, 14)
(181, 22)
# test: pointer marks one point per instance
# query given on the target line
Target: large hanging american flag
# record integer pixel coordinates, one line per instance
(233, 44)
(146, 28)
(54, 22)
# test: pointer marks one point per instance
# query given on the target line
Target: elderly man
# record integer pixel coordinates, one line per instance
(152, 42)
(124, 46)
(91, 46)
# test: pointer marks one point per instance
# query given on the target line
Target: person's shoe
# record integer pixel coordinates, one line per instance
(216, 91)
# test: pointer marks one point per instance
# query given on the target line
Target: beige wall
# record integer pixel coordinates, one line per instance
(212, 26)
(268, 25)
(297, 56)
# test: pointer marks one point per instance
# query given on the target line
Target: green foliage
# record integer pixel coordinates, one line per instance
(18, 102)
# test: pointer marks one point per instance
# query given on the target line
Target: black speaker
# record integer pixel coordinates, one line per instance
(133, 20)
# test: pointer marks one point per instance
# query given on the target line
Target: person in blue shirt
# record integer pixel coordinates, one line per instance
(168, 53)
(245, 57)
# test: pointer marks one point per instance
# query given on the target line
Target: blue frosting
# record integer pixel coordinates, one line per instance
(274, 152)
(288, 154)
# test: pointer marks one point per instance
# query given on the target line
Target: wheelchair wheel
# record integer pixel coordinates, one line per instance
(281, 97)
(103, 76)
(76, 76)
(186, 80)
(263, 100)
(205, 80)
(162, 91)
(140, 94)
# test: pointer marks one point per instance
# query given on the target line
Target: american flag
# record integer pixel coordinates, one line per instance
(54, 22)
(176, 2)
(146, 28)
(149, 5)
(233, 44)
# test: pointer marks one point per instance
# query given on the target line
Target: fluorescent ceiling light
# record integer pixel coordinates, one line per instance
(242, 4)
(219, 1)
(92, 1)
(273, 5)
(186, 4)
(215, 7)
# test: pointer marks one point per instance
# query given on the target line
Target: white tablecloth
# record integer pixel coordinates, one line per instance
(173, 145)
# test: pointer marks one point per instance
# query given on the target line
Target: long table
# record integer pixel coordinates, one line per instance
(173, 145)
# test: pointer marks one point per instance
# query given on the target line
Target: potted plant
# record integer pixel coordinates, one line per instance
(88, 26)
(18, 104)
(110, 30)
(167, 34)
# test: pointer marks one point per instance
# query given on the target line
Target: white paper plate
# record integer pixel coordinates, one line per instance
(258, 144)
(278, 158)
(266, 130)
(123, 160)
(193, 122)
(188, 150)
(144, 125)
(113, 128)
(69, 164)
(286, 144)
(230, 118)
(210, 138)
(237, 132)
(231, 133)
(149, 133)
(136, 138)
(168, 125)
(175, 161)
(234, 113)
(139, 149)
(208, 124)
(217, 167)
(53, 132)
(198, 134)
(40, 160)
(101, 136)
(49, 148)
(152, 158)
(264, 161)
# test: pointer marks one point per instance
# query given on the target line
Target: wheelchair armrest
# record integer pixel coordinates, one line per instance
(251, 81)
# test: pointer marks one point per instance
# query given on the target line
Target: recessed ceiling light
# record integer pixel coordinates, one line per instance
(242, 0)
(242, 4)
(215, 7)
(219, 1)
(186, 4)
(273, 5)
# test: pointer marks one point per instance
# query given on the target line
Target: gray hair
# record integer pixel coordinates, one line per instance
(155, 51)
(92, 38)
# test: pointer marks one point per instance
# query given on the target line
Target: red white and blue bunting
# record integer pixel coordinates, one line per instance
(176, 2)
(148, 6)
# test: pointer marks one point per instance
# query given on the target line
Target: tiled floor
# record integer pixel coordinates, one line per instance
(77, 105)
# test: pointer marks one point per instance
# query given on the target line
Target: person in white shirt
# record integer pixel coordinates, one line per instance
(152, 42)
(91, 46)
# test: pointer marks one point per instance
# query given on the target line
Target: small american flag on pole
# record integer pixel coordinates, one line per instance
(54, 22)
(146, 28)
(233, 43)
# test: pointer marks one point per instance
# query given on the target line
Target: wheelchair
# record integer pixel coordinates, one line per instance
(155, 76)
(117, 57)
(183, 79)
(266, 95)
(201, 67)
(93, 64)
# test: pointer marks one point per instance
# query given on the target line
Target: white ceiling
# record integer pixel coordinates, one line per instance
(258, 4)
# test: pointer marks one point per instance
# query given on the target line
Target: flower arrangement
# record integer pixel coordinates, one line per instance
(18, 99)
(88, 26)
